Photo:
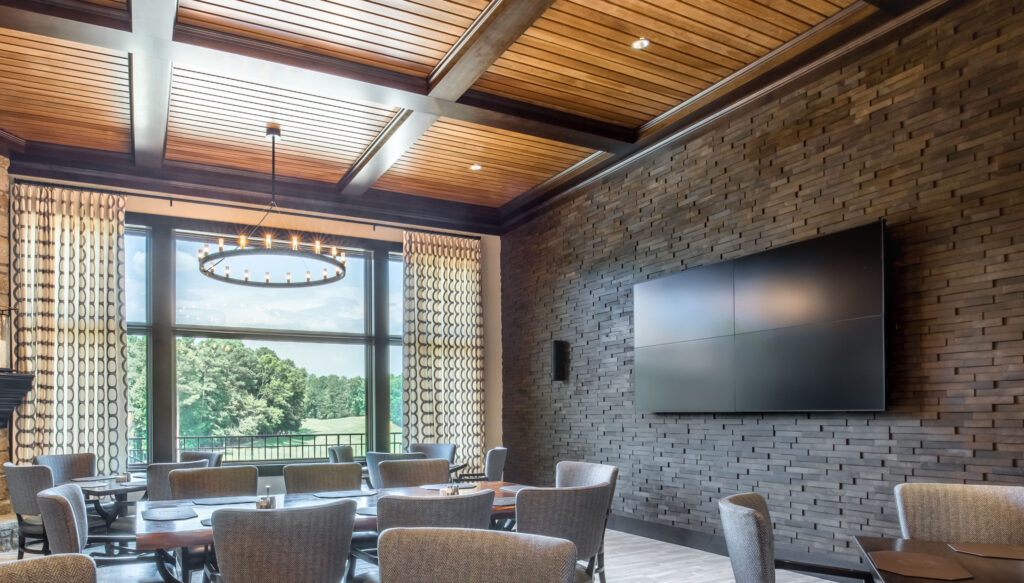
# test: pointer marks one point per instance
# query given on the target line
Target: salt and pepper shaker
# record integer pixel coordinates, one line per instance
(267, 501)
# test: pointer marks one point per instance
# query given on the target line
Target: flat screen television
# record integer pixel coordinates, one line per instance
(795, 328)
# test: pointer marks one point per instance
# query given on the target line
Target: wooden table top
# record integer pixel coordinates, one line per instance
(169, 534)
(983, 569)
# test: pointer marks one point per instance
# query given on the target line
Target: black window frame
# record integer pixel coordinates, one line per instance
(162, 332)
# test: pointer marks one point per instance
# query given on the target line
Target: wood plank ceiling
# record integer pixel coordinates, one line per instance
(390, 98)
(222, 121)
(64, 93)
(578, 57)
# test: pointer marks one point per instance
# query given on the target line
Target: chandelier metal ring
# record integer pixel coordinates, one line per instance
(207, 263)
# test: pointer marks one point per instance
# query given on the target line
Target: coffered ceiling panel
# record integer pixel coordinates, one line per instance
(439, 164)
(64, 93)
(578, 56)
(404, 36)
(221, 121)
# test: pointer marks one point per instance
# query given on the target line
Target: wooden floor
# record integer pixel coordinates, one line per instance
(631, 559)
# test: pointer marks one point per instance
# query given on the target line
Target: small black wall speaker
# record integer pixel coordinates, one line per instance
(559, 360)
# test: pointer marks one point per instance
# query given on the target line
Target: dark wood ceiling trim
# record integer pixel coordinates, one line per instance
(10, 142)
(535, 201)
(493, 31)
(76, 10)
(151, 80)
(895, 7)
(114, 170)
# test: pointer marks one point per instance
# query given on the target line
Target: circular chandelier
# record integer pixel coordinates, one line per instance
(332, 260)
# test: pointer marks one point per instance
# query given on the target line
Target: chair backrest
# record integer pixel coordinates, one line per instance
(55, 568)
(340, 454)
(213, 458)
(575, 474)
(289, 544)
(441, 451)
(214, 482)
(428, 555)
(575, 514)
(494, 465)
(747, 526)
(158, 482)
(405, 473)
(322, 477)
(373, 459)
(24, 483)
(68, 466)
(466, 511)
(962, 513)
(64, 518)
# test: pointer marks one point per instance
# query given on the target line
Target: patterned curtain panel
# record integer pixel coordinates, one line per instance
(68, 287)
(443, 386)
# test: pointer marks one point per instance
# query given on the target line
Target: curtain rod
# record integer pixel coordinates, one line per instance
(299, 214)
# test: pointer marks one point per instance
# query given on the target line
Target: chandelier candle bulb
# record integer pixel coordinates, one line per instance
(325, 273)
(267, 241)
(206, 249)
(227, 271)
(316, 247)
(199, 254)
(245, 274)
(288, 277)
(295, 243)
(266, 278)
(241, 242)
(334, 251)
(307, 276)
(220, 245)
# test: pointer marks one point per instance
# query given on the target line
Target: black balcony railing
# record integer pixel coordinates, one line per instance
(259, 448)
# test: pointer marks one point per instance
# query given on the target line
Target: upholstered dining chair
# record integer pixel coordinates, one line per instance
(748, 535)
(67, 525)
(442, 451)
(300, 478)
(213, 458)
(494, 467)
(373, 459)
(340, 454)
(158, 482)
(214, 482)
(54, 569)
(961, 513)
(570, 474)
(428, 555)
(407, 473)
(298, 545)
(575, 514)
(68, 466)
(24, 483)
(465, 511)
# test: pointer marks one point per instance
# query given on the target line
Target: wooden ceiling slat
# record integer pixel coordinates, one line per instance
(789, 7)
(577, 57)
(310, 145)
(46, 52)
(823, 7)
(406, 37)
(437, 165)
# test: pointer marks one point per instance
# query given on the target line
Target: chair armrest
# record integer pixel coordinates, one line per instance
(865, 576)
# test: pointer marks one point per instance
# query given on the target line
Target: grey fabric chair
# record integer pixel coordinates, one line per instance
(340, 454)
(68, 466)
(158, 483)
(300, 478)
(373, 459)
(569, 474)
(575, 514)
(298, 545)
(440, 451)
(747, 526)
(961, 513)
(55, 569)
(466, 511)
(214, 482)
(494, 467)
(407, 473)
(67, 525)
(213, 458)
(429, 555)
(24, 483)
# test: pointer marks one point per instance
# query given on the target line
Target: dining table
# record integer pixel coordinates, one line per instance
(981, 569)
(96, 488)
(191, 532)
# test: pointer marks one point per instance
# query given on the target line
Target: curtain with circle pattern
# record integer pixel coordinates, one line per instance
(70, 332)
(443, 382)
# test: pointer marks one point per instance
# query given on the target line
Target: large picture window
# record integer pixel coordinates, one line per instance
(261, 374)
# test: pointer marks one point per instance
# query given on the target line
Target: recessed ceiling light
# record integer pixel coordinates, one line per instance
(476, 167)
(641, 44)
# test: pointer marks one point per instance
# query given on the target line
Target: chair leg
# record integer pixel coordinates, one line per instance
(351, 575)
(600, 564)
(21, 546)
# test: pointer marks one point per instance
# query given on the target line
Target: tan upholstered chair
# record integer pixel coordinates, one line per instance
(213, 458)
(214, 482)
(300, 478)
(494, 467)
(570, 474)
(407, 473)
(575, 514)
(158, 482)
(440, 451)
(748, 535)
(429, 555)
(340, 454)
(962, 513)
(53, 569)
(68, 466)
(67, 524)
(24, 483)
(374, 458)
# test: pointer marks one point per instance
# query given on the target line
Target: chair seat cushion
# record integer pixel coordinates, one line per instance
(363, 537)
(582, 576)
(31, 526)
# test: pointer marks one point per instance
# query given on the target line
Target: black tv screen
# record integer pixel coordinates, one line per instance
(797, 328)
